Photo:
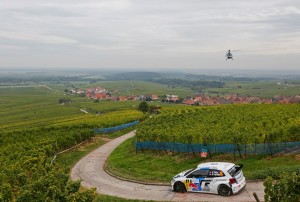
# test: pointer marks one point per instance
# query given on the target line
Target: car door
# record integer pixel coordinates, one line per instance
(198, 181)
(217, 177)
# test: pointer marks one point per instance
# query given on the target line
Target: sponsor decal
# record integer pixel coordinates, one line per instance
(197, 184)
(218, 180)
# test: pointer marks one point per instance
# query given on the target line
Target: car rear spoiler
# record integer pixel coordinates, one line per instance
(239, 167)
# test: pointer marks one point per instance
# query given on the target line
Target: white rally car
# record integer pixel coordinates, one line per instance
(213, 177)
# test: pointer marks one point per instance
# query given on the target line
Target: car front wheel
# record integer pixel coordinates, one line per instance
(179, 187)
(224, 190)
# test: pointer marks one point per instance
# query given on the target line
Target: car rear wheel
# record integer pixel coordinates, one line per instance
(224, 190)
(179, 187)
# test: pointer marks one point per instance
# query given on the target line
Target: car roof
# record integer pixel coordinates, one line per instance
(216, 165)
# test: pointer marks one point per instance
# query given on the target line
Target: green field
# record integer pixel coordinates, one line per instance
(263, 89)
(140, 88)
(38, 106)
(160, 167)
(127, 88)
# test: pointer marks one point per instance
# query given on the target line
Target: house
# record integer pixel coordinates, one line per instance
(296, 99)
(132, 97)
(97, 93)
(267, 101)
(172, 98)
(154, 97)
(284, 101)
(122, 98)
(208, 102)
(113, 98)
(225, 101)
(189, 102)
(100, 96)
(89, 94)
(79, 91)
(198, 98)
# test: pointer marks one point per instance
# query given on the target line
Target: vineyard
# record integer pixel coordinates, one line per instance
(226, 124)
(26, 172)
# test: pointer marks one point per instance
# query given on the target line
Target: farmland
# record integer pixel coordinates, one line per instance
(38, 106)
(224, 124)
(34, 127)
(264, 89)
(141, 88)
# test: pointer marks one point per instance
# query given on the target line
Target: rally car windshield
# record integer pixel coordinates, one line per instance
(188, 172)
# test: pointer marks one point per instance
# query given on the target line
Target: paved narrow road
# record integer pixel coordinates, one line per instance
(90, 170)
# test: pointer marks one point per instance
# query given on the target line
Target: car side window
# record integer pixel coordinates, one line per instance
(215, 173)
(198, 174)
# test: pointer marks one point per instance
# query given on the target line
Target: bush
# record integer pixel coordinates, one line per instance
(286, 188)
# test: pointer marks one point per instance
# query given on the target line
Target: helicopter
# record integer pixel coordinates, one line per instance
(229, 55)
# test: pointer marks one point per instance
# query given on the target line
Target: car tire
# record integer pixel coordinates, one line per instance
(179, 187)
(224, 190)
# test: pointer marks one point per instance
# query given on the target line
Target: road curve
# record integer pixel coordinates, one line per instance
(90, 170)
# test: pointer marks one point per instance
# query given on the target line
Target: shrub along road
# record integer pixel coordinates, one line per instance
(90, 170)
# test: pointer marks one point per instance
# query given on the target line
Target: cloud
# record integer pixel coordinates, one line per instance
(151, 30)
(40, 38)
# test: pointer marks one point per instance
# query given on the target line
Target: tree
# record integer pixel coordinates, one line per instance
(64, 100)
(143, 107)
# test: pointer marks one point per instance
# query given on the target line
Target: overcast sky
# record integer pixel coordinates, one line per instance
(150, 34)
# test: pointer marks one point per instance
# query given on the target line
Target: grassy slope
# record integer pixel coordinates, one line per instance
(154, 166)
(37, 106)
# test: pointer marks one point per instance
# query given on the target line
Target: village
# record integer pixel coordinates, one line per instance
(98, 93)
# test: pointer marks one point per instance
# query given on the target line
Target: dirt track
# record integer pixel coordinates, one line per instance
(90, 170)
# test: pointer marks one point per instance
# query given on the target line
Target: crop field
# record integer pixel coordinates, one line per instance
(34, 127)
(224, 124)
(141, 88)
(38, 106)
(264, 89)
